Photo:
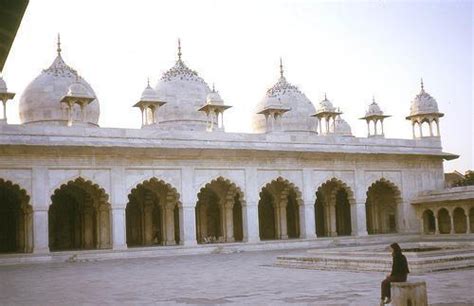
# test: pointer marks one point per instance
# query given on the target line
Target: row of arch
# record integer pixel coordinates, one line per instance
(441, 220)
(79, 216)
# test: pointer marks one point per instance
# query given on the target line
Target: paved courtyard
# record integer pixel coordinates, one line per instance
(240, 278)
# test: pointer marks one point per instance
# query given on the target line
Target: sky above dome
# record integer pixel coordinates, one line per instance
(351, 50)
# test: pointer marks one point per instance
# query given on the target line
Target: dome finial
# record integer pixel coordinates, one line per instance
(325, 97)
(213, 87)
(373, 99)
(59, 45)
(179, 49)
(148, 81)
(281, 67)
(422, 85)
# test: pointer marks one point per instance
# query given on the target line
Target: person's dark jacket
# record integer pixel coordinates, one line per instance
(399, 266)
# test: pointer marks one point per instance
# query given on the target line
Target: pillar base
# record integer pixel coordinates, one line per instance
(170, 242)
(230, 239)
(40, 251)
(119, 247)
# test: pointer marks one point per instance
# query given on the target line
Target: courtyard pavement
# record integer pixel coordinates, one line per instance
(217, 279)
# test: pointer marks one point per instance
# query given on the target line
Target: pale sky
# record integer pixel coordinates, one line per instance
(349, 49)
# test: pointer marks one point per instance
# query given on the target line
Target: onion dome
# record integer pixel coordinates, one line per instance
(286, 96)
(373, 109)
(184, 91)
(3, 85)
(149, 94)
(342, 128)
(40, 102)
(424, 104)
(213, 97)
(325, 106)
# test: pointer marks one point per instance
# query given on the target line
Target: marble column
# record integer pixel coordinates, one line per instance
(451, 220)
(358, 219)
(187, 219)
(277, 218)
(118, 228)
(332, 220)
(229, 216)
(283, 224)
(307, 220)
(250, 222)
(436, 225)
(468, 222)
(169, 225)
(40, 230)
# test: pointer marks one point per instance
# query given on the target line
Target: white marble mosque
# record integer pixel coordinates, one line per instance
(182, 181)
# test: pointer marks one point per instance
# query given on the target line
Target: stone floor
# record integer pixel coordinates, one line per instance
(240, 278)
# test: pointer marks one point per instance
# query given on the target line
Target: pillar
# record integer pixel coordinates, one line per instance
(431, 128)
(332, 218)
(358, 219)
(413, 129)
(422, 225)
(451, 220)
(250, 222)
(40, 230)
(187, 219)
(468, 221)
(437, 128)
(229, 216)
(283, 223)
(169, 225)
(118, 228)
(436, 224)
(307, 220)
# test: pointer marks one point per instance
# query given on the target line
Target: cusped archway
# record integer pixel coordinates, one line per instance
(152, 214)
(16, 231)
(459, 221)
(333, 209)
(444, 221)
(278, 210)
(219, 212)
(79, 217)
(383, 199)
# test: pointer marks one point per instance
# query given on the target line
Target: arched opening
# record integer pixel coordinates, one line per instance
(444, 221)
(459, 221)
(79, 217)
(16, 231)
(429, 226)
(152, 214)
(219, 212)
(278, 211)
(425, 128)
(333, 209)
(381, 207)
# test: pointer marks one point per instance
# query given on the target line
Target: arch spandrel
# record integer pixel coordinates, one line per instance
(170, 189)
(135, 177)
(20, 177)
(85, 183)
(57, 178)
(226, 182)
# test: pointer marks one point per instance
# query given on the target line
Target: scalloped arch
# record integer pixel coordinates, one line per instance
(392, 185)
(228, 182)
(84, 183)
(289, 185)
(16, 187)
(160, 182)
(340, 183)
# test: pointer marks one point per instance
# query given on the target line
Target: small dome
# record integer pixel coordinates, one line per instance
(184, 91)
(3, 85)
(373, 109)
(342, 128)
(423, 103)
(214, 98)
(149, 95)
(325, 106)
(76, 89)
(40, 101)
(285, 95)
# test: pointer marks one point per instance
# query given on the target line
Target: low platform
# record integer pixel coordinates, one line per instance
(422, 256)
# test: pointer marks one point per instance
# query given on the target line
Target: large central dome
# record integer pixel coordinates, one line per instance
(185, 92)
(297, 119)
(40, 102)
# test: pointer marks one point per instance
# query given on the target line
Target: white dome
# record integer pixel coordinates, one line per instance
(342, 127)
(423, 103)
(76, 89)
(373, 110)
(3, 85)
(184, 91)
(214, 98)
(297, 119)
(149, 95)
(325, 106)
(40, 102)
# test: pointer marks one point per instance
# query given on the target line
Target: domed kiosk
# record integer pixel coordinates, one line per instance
(40, 103)
(299, 108)
(185, 92)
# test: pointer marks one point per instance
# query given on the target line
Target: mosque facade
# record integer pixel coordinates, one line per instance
(68, 184)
